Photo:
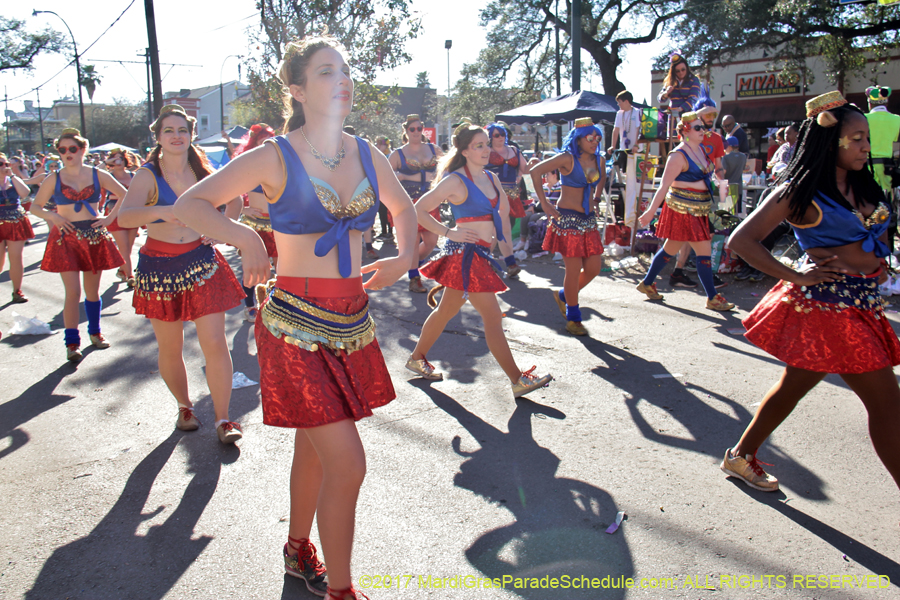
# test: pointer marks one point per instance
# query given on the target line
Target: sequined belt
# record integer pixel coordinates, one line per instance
(415, 188)
(166, 276)
(301, 323)
(84, 230)
(257, 223)
(852, 292)
(572, 222)
(468, 251)
(511, 189)
(11, 213)
(697, 203)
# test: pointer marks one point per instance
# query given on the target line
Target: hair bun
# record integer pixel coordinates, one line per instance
(70, 131)
(826, 119)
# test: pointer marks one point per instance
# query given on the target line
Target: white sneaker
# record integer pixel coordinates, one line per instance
(557, 256)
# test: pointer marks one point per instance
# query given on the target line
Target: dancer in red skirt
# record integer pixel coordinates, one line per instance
(321, 368)
(121, 164)
(686, 188)
(828, 317)
(573, 226)
(509, 166)
(180, 276)
(464, 267)
(415, 163)
(78, 240)
(255, 212)
(15, 227)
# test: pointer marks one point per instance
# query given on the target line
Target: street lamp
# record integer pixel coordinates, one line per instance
(448, 45)
(77, 63)
(222, 91)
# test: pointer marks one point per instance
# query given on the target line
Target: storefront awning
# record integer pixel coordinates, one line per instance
(769, 112)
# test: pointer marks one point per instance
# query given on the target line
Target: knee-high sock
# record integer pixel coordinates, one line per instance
(659, 262)
(72, 337)
(93, 315)
(250, 298)
(705, 274)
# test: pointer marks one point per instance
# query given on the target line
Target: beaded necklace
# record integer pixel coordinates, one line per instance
(166, 177)
(330, 163)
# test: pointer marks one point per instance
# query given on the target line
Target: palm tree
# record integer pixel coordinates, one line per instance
(89, 80)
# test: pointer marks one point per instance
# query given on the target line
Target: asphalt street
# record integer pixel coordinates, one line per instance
(466, 487)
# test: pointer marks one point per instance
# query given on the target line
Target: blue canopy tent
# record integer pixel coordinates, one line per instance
(565, 109)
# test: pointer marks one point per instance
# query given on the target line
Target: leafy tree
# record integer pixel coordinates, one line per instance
(422, 80)
(18, 47)
(790, 31)
(520, 35)
(374, 31)
(90, 79)
(121, 122)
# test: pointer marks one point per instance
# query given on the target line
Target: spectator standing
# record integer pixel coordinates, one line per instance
(732, 128)
(785, 153)
(734, 162)
(884, 129)
(626, 131)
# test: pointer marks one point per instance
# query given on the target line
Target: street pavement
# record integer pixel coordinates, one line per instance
(103, 499)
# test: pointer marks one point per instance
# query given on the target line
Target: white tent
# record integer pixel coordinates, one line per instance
(112, 146)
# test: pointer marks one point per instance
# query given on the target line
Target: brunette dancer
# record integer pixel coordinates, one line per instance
(180, 276)
(15, 228)
(321, 368)
(78, 240)
(415, 163)
(464, 267)
(509, 166)
(121, 164)
(828, 317)
(686, 189)
(573, 227)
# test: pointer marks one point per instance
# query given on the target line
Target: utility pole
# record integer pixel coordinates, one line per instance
(40, 117)
(153, 51)
(576, 45)
(558, 84)
(6, 112)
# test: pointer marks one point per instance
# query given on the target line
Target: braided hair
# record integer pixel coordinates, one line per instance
(813, 167)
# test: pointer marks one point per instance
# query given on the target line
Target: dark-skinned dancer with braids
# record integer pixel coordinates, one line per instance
(827, 317)
(321, 368)
(464, 268)
(573, 225)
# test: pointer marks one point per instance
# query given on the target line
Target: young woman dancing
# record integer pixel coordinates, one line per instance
(686, 188)
(829, 317)
(180, 276)
(464, 268)
(573, 227)
(78, 240)
(509, 166)
(415, 163)
(121, 164)
(15, 227)
(321, 368)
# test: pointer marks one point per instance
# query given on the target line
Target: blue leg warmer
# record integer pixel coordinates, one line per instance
(413, 273)
(93, 315)
(573, 313)
(72, 337)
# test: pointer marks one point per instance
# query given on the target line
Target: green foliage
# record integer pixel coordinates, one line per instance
(422, 80)
(18, 47)
(789, 31)
(121, 122)
(375, 111)
(375, 32)
(89, 80)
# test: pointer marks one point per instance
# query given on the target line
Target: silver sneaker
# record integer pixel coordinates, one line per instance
(747, 469)
(424, 369)
(528, 382)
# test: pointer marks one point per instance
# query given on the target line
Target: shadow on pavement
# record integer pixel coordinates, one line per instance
(559, 524)
(34, 401)
(113, 561)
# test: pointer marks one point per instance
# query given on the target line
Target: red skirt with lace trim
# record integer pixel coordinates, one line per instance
(302, 388)
(86, 249)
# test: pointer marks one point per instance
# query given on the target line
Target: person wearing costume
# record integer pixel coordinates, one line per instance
(121, 164)
(827, 317)
(180, 276)
(321, 368)
(680, 88)
(464, 268)
(15, 228)
(573, 225)
(884, 129)
(415, 163)
(686, 188)
(509, 166)
(255, 212)
(78, 240)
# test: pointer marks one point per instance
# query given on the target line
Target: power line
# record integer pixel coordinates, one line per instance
(28, 93)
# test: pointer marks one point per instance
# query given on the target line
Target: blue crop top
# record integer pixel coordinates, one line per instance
(838, 226)
(307, 206)
(695, 172)
(9, 196)
(163, 195)
(506, 169)
(61, 199)
(477, 204)
(576, 179)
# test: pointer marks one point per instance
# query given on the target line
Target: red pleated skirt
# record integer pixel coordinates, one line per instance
(447, 270)
(303, 388)
(824, 329)
(574, 234)
(516, 207)
(216, 289)
(86, 249)
(681, 227)
(16, 229)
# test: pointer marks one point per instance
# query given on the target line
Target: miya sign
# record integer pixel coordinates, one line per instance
(756, 85)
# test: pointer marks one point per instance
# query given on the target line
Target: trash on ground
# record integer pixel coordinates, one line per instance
(615, 526)
(667, 375)
(239, 380)
(25, 326)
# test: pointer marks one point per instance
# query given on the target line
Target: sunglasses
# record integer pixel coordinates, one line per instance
(414, 129)
(698, 128)
(4, 164)
(498, 135)
(72, 149)
(590, 139)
